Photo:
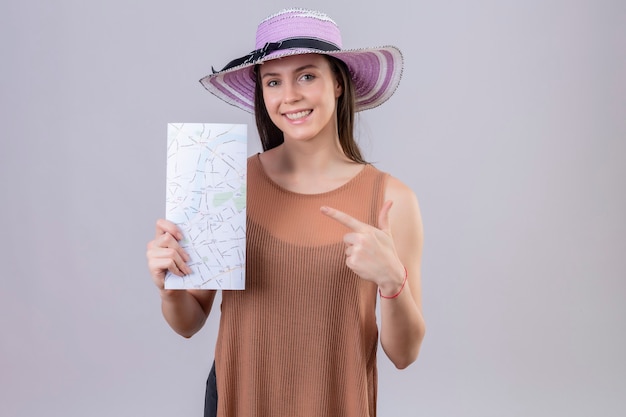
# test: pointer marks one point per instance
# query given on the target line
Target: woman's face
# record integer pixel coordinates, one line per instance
(300, 93)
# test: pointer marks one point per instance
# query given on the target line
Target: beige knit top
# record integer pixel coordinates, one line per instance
(301, 339)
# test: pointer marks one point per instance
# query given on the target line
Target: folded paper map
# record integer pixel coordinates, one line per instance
(206, 198)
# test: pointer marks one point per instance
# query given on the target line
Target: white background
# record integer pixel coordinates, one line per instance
(509, 124)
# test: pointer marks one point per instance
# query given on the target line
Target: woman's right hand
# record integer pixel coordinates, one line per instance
(165, 254)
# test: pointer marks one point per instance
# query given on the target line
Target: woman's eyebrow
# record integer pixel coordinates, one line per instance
(302, 68)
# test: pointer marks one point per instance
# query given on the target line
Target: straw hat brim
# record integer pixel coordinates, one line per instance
(376, 73)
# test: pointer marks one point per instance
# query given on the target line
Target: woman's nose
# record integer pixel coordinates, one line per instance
(291, 93)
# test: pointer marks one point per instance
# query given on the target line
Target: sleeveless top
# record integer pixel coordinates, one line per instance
(301, 339)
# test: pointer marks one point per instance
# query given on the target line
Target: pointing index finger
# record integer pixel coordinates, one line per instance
(345, 219)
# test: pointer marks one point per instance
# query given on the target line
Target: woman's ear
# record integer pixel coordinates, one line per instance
(338, 87)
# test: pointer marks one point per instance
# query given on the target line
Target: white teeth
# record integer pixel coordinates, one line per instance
(299, 115)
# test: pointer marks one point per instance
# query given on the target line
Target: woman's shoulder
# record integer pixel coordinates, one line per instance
(395, 189)
(396, 186)
(403, 197)
(405, 215)
(253, 162)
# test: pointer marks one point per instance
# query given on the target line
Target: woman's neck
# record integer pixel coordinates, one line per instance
(309, 168)
(309, 157)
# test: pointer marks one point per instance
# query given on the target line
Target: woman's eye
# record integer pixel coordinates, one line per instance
(272, 83)
(307, 77)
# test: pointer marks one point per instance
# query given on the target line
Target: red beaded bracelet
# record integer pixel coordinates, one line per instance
(406, 276)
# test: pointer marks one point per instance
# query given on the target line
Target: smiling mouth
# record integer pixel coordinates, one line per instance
(298, 115)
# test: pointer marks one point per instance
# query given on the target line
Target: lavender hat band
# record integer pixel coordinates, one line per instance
(270, 47)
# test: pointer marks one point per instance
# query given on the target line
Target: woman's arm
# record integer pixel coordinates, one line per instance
(380, 255)
(185, 311)
(403, 326)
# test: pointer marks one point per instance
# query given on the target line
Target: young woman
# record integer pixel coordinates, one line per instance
(327, 234)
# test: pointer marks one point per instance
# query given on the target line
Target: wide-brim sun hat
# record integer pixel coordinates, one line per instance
(376, 72)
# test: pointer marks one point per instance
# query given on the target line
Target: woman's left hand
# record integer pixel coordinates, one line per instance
(370, 251)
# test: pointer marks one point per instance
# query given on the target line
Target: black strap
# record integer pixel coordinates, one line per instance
(270, 47)
(210, 396)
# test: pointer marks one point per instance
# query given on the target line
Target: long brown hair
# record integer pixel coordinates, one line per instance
(271, 136)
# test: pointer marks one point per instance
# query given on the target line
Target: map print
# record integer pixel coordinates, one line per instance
(206, 198)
